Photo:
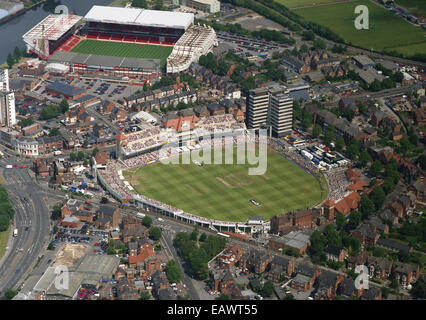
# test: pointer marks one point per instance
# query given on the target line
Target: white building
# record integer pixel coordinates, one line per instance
(271, 107)
(7, 100)
(26, 145)
(211, 6)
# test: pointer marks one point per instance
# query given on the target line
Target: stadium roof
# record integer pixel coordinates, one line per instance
(142, 17)
(55, 25)
(105, 61)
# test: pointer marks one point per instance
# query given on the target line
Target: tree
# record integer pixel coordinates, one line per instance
(64, 105)
(49, 112)
(329, 135)
(364, 158)
(340, 220)
(376, 167)
(268, 289)
(332, 235)
(378, 196)
(147, 221)
(297, 110)
(95, 151)
(203, 237)
(26, 122)
(194, 234)
(340, 143)
(422, 161)
(155, 233)
(222, 68)
(316, 131)
(366, 206)
(403, 256)
(10, 61)
(303, 48)
(73, 156)
(308, 35)
(80, 155)
(354, 220)
(353, 149)
(17, 54)
(173, 272)
(54, 132)
(140, 4)
(223, 297)
(375, 85)
(394, 284)
(319, 44)
(145, 295)
(378, 252)
(10, 293)
(388, 185)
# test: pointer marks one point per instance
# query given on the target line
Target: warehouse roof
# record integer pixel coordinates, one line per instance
(105, 61)
(103, 265)
(64, 88)
(134, 16)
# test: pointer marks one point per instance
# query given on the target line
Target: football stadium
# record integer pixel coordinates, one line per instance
(221, 197)
(139, 42)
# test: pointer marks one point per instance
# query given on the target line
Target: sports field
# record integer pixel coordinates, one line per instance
(414, 6)
(120, 49)
(223, 192)
(300, 3)
(387, 31)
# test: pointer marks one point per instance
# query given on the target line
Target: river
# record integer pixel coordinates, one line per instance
(11, 32)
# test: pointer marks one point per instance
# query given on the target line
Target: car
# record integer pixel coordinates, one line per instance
(15, 166)
(27, 157)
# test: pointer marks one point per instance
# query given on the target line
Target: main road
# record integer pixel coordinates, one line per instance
(32, 221)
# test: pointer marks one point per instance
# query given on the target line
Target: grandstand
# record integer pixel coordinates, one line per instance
(50, 34)
(196, 41)
(122, 32)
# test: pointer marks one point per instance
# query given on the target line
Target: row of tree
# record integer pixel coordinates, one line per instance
(197, 251)
(6, 210)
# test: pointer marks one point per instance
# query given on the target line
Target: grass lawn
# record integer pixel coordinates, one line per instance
(223, 192)
(298, 3)
(387, 31)
(129, 50)
(3, 241)
(414, 6)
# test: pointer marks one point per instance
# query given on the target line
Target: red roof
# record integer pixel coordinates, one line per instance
(353, 174)
(187, 123)
(147, 250)
(358, 185)
(348, 203)
(329, 203)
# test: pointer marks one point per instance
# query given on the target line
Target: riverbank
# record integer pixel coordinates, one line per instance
(20, 12)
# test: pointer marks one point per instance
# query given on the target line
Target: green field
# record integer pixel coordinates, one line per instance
(4, 236)
(414, 6)
(120, 49)
(298, 3)
(387, 31)
(223, 192)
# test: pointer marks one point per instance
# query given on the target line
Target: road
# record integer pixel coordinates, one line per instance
(32, 213)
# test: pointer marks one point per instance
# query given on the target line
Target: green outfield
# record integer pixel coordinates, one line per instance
(414, 6)
(387, 31)
(223, 192)
(300, 3)
(121, 49)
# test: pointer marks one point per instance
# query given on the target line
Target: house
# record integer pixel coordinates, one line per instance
(224, 282)
(145, 251)
(230, 256)
(70, 207)
(366, 234)
(327, 284)
(110, 213)
(126, 290)
(216, 109)
(397, 209)
(255, 261)
(377, 223)
(281, 265)
(348, 203)
(373, 293)
(305, 278)
(419, 189)
(296, 64)
(358, 260)
(334, 253)
(70, 222)
(405, 273)
(296, 240)
(106, 106)
(347, 289)
(379, 268)
(387, 215)
(135, 232)
(394, 245)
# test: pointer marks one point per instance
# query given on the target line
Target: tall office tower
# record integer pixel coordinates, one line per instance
(257, 108)
(7, 100)
(280, 114)
(271, 107)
